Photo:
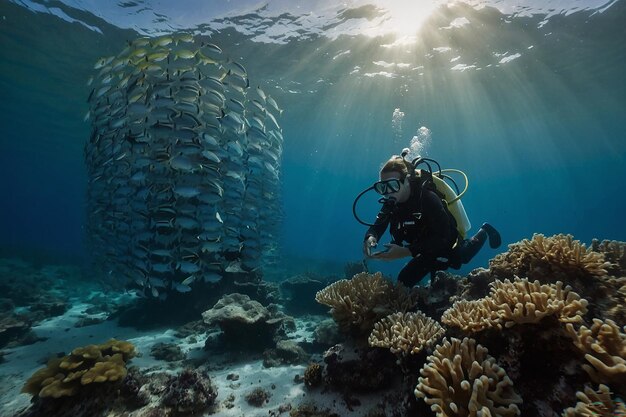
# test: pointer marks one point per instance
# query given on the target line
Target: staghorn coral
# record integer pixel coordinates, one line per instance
(405, 333)
(357, 304)
(522, 301)
(549, 258)
(472, 316)
(596, 403)
(85, 365)
(604, 347)
(460, 379)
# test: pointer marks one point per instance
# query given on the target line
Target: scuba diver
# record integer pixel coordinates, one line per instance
(420, 207)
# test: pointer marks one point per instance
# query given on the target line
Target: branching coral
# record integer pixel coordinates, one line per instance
(517, 302)
(460, 379)
(405, 333)
(596, 403)
(614, 252)
(472, 316)
(85, 365)
(604, 347)
(522, 301)
(544, 257)
(356, 304)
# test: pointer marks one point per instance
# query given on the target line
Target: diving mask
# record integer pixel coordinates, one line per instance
(387, 186)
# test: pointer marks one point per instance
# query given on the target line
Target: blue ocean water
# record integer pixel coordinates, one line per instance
(528, 101)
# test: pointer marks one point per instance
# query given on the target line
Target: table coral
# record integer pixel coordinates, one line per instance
(596, 403)
(604, 347)
(356, 304)
(85, 365)
(460, 379)
(405, 333)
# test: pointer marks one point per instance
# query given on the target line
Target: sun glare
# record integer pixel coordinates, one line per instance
(405, 17)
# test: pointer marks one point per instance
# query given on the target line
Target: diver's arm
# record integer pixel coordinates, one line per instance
(437, 228)
(381, 223)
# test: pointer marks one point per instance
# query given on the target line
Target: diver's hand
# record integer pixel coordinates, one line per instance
(393, 252)
(368, 244)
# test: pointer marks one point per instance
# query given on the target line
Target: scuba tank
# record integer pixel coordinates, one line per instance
(437, 181)
(452, 200)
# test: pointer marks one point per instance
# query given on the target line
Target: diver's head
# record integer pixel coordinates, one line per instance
(394, 179)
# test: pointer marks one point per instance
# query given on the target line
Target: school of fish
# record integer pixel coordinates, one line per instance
(183, 166)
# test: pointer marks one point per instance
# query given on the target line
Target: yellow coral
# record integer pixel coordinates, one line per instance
(596, 403)
(472, 316)
(405, 332)
(544, 257)
(604, 347)
(85, 365)
(356, 304)
(522, 301)
(460, 379)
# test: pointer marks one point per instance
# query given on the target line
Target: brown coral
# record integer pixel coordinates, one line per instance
(405, 333)
(313, 375)
(549, 258)
(472, 316)
(614, 252)
(460, 379)
(93, 363)
(522, 301)
(596, 403)
(604, 347)
(357, 304)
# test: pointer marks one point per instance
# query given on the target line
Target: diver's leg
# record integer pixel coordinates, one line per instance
(494, 237)
(469, 248)
(415, 270)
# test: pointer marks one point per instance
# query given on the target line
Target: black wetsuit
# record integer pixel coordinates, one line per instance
(430, 231)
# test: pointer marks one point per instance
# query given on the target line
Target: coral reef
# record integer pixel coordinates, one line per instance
(299, 294)
(189, 392)
(169, 352)
(405, 333)
(615, 253)
(596, 403)
(434, 299)
(604, 348)
(246, 323)
(258, 397)
(327, 333)
(548, 259)
(85, 365)
(311, 410)
(358, 303)
(15, 330)
(461, 379)
(286, 352)
(517, 302)
(471, 316)
(313, 375)
(358, 369)
(522, 301)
